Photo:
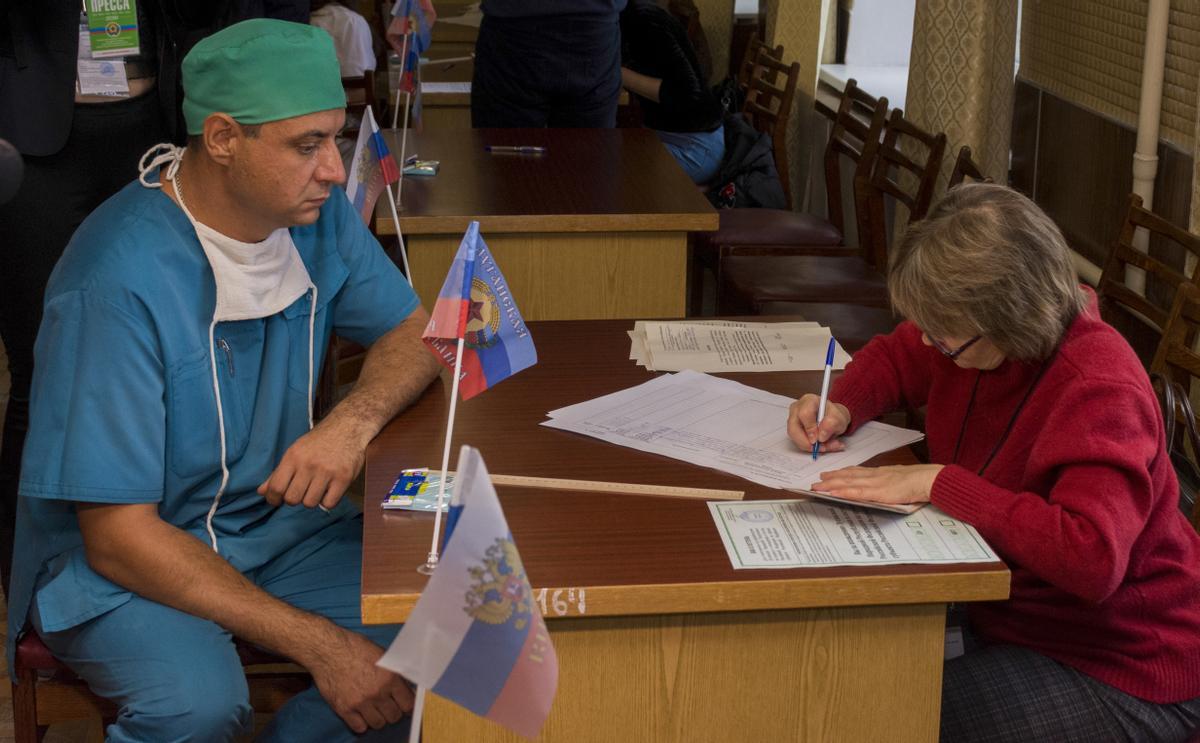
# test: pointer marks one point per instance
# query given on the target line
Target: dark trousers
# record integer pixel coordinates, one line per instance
(559, 71)
(1009, 694)
(56, 194)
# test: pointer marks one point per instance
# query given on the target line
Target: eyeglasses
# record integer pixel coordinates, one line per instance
(956, 352)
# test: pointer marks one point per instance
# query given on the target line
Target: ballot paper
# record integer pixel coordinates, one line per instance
(809, 533)
(732, 346)
(721, 424)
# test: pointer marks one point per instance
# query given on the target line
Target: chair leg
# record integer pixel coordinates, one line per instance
(24, 702)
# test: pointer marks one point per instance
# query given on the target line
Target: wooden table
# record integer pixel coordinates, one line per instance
(595, 228)
(658, 638)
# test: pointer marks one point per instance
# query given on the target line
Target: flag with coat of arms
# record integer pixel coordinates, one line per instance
(476, 636)
(371, 170)
(476, 306)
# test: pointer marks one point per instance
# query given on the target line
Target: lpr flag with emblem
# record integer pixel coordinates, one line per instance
(372, 169)
(476, 305)
(476, 636)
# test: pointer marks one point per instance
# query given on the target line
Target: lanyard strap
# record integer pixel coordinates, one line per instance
(1011, 421)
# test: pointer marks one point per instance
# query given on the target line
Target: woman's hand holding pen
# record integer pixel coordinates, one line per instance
(803, 428)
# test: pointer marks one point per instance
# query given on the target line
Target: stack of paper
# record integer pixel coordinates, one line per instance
(719, 423)
(730, 346)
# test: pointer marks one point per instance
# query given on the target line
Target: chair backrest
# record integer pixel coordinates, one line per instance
(1153, 307)
(888, 179)
(746, 68)
(857, 127)
(964, 168)
(768, 107)
(360, 93)
(1182, 438)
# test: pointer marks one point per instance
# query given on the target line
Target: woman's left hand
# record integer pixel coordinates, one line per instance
(910, 483)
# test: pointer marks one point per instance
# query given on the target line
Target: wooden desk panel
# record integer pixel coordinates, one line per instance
(595, 228)
(659, 638)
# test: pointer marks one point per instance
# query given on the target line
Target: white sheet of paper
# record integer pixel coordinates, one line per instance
(731, 345)
(721, 424)
(810, 533)
(710, 348)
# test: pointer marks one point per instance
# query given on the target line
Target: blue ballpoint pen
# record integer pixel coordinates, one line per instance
(824, 391)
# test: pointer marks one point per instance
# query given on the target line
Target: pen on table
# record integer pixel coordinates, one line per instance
(522, 150)
(824, 393)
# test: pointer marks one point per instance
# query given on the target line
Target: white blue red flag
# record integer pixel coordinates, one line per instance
(476, 636)
(372, 169)
(476, 305)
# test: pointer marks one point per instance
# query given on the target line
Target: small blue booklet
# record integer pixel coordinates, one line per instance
(417, 490)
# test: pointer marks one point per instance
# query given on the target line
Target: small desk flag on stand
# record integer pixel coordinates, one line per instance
(372, 169)
(476, 636)
(475, 305)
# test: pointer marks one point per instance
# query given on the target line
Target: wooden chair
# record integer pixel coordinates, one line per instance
(1142, 317)
(750, 281)
(964, 168)
(857, 128)
(749, 59)
(1175, 366)
(768, 107)
(360, 93)
(46, 692)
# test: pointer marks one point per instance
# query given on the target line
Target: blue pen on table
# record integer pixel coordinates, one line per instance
(824, 392)
(521, 150)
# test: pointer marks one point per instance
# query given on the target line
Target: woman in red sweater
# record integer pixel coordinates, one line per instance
(1046, 436)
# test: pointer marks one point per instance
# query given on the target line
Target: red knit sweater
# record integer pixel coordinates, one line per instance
(1080, 501)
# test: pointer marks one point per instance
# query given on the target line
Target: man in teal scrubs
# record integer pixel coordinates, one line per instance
(174, 491)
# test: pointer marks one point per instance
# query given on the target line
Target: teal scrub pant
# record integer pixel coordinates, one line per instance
(176, 677)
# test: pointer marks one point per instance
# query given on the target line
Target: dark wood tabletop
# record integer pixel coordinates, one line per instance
(588, 180)
(633, 554)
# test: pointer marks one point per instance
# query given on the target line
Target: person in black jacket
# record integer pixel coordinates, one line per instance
(78, 150)
(659, 66)
(542, 63)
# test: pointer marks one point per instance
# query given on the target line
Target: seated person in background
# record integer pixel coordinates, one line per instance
(351, 36)
(174, 491)
(1046, 436)
(659, 66)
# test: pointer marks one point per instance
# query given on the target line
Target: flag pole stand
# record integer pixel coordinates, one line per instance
(414, 727)
(431, 562)
(399, 233)
(403, 58)
(403, 147)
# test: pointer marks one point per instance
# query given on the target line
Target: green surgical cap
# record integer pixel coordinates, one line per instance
(261, 70)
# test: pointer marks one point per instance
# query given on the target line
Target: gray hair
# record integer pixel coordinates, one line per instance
(987, 261)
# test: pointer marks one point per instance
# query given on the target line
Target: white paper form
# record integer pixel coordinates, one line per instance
(706, 348)
(731, 346)
(721, 424)
(797, 534)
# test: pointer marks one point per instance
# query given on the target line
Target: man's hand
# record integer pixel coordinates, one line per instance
(317, 468)
(803, 428)
(904, 483)
(364, 695)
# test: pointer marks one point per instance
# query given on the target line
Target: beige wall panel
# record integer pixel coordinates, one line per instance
(797, 25)
(960, 78)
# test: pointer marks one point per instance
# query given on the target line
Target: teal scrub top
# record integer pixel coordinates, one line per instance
(122, 408)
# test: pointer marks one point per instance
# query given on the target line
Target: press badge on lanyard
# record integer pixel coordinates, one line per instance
(108, 32)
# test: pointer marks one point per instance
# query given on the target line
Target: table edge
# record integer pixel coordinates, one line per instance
(988, 584)
(510, 223)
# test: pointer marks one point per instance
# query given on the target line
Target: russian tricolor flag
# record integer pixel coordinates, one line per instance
(476, 305)
(372, 169)
(476, 636)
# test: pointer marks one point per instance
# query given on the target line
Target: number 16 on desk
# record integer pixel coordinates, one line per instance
(824, 394)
